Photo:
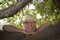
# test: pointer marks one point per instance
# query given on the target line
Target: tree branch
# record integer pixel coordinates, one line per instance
(13, 9)
(57, 3)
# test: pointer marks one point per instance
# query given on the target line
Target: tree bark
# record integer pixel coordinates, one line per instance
(13, 9)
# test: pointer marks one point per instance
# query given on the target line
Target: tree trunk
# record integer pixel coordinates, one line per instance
(13, 9)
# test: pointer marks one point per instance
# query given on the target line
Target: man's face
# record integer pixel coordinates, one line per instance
(30, 26)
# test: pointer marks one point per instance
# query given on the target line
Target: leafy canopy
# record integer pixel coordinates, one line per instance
(44, 10)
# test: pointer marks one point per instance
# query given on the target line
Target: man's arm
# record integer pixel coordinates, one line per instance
(11, 28)
(45, 25)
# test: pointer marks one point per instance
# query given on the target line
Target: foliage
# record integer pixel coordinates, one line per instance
(45, 8)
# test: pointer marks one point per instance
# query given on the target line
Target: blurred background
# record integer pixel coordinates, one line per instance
(43, 10)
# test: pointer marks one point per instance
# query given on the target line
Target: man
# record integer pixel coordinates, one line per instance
(29, 26)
